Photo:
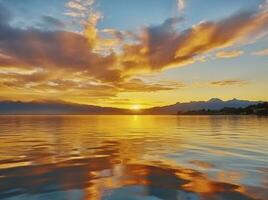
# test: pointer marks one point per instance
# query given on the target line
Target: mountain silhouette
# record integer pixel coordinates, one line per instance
(212, 104)
(60, 107)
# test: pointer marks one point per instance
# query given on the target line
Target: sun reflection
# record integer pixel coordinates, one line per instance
(137, 153)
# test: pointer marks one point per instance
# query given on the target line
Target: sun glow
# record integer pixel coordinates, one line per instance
(136, 107)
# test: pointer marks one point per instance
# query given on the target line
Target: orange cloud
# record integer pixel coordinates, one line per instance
(161, 47)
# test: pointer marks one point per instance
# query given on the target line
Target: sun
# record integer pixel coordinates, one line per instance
(136, 107)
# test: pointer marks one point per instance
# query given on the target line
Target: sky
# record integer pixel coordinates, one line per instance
(133, 53)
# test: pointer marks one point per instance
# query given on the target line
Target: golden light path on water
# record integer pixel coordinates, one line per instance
(134, 157)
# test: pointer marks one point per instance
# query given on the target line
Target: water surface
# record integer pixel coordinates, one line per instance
(133, 157)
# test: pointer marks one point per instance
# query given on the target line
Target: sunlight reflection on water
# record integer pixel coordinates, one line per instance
(134, 157)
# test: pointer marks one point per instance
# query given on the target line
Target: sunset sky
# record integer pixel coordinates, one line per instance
(133, 53)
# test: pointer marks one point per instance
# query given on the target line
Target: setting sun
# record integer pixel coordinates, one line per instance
(136, 107)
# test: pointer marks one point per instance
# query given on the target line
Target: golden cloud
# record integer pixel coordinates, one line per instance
(161, 47)
(229, 54)
(137, 85)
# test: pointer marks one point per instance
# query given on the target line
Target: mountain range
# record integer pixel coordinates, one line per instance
(212, 104)
(59, 107)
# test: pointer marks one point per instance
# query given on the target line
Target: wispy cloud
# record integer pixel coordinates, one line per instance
(229, 54)
(263, 52)
(228, 83)
(181, 5)
(82, 9)
(137, 85)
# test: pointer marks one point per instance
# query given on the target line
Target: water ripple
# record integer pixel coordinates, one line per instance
(133, 157)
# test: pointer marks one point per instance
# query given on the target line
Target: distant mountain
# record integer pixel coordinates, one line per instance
(212, 104)
(260, 109)
(59, 107)
(17, 107)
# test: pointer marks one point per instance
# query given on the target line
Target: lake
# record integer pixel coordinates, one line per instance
(133, 157)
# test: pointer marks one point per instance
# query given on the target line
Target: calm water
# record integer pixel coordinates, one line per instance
(133, 157)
